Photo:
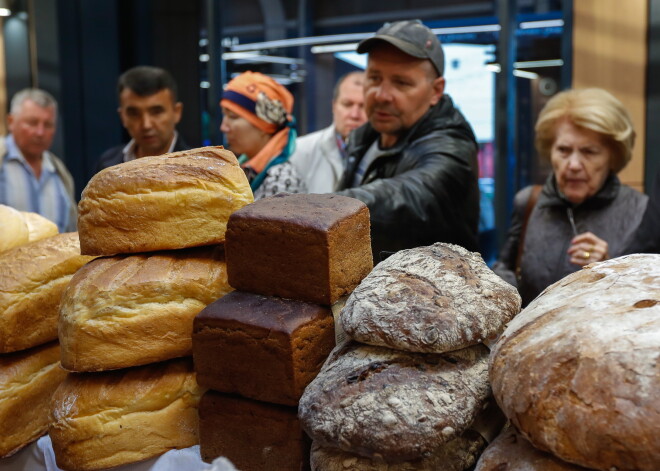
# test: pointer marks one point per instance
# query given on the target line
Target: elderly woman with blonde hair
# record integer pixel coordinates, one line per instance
(583, 213)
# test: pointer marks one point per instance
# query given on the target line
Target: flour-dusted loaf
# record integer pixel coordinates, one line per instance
(261, 347)
(101, 420)
(28, 380)
(131, 310)
(32, 279)
(578, 371)
(309, 247)
(458, 454)
(398, 406)
(511, 452)
(13, 228)
(254, 435)
(171, 201)
(430, 299)
(38, 226)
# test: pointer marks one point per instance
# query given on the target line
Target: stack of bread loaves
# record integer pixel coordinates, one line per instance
(578, 371)
(405, 393)
(290, 258)
(36, 265)
(126, 318)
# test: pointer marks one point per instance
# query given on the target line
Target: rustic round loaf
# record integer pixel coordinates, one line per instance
(458, 454)
(392, 405)
(172, 201)
(430, 299)
(511, 452)
(578, 371)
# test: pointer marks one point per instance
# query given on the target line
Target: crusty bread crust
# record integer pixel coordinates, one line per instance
(578, 370)
(101, 420)
(171, 201)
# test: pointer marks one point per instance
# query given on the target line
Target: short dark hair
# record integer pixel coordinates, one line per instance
(145, 80)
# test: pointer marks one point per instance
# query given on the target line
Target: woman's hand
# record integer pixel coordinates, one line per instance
(587, 248)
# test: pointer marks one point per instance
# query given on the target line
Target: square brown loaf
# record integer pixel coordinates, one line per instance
(261, 347)
(253, 435)
(310, 247)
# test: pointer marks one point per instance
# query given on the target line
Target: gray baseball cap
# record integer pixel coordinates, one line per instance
(411, 37)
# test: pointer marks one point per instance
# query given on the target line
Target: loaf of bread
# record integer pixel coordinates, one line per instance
(101, 420)
(28, 380)
(38, 226)
(309, 247)
(255, 436)
(13, 228)
(430, 299)
(131, 310)
(172, 201)
(399, 406)
(511, 452)
(458, 454)
(32, 279)
(578, 370)
(261, 347)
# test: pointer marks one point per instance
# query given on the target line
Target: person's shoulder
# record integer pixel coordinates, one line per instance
(110, 157)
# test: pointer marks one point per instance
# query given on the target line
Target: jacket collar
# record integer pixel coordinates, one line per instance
(553, 197)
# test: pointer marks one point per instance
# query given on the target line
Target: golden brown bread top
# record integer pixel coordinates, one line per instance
(141, 206)
(29, 267)
(19, 369)
(125, 285)
(100, 399)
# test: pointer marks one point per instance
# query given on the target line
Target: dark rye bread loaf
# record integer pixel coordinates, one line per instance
(253, 435)
(309, 247)
(458, 454)
(430, 299)
(392, 405)
(261, 347)
(578, 371)
(511, 452)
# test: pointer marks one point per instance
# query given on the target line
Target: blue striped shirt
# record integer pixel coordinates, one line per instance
(20, 189)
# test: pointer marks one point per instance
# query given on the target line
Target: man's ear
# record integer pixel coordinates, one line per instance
(438, 87)
(178, 110)
(10, 121)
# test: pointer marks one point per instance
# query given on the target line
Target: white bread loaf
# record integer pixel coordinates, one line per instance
(130, 310)
(578, 370)
(101, 420)
(399, 406)
(430, 299)
(38, 226)
(171, 201)
(13, 228)
(28, 380)
(32, 279)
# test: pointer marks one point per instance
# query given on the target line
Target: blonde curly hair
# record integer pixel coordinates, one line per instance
(590, 108)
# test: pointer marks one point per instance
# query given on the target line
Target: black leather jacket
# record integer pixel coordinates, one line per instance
(612, 214)
(424, 189)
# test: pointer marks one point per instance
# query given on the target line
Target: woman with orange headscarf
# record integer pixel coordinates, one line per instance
(260, 129)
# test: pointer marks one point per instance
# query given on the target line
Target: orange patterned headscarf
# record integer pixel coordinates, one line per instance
(265, 104)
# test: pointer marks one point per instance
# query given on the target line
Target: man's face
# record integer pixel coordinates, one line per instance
(348, 109)
(398, 90)
(150, 120)
(33, 128)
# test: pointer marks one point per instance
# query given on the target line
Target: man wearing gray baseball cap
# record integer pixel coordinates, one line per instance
(414, 163)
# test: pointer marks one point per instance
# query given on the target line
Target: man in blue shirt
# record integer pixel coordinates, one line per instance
(32, 178)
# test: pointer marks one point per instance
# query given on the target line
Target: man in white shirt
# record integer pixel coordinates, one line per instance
(320, 157)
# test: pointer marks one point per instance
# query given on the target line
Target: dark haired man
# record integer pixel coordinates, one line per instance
(149, 111)
(414, 163)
